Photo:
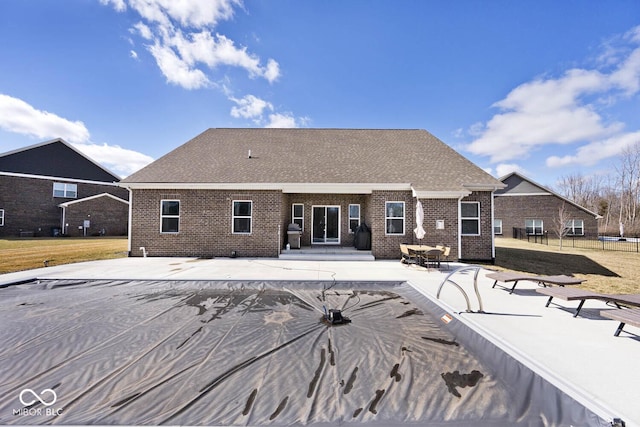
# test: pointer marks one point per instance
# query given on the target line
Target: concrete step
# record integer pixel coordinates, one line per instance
(335, 253)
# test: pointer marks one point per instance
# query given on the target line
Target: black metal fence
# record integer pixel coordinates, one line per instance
(601, 242)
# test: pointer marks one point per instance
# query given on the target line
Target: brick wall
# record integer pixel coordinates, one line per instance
(29, 205)
(310, 200)
(385, 246)
(514, 210)
(206, 223)
(104, 213)
(478, 248)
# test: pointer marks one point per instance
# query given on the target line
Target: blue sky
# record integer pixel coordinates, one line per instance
(546, 88)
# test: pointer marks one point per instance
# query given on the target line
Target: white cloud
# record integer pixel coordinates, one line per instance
(563, 110)
(181, 37)
(592, 153)
(133, 54)
(118, 5)
(250, 107)
(506, 168)
(18, 116)
(183, 40)
(279, 120)
(143, 30)
(189, 13)
(176, 70)
(115, 158)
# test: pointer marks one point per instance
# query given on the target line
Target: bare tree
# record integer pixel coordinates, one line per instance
(560, 223)
(628, 185)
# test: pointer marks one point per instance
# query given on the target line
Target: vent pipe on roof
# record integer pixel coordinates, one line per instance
(249, 156)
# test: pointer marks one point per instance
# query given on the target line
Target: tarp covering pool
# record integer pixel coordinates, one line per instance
(252, 353)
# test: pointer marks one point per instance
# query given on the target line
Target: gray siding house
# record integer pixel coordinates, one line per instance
(36, 180)
(524, 207)
(237, 190)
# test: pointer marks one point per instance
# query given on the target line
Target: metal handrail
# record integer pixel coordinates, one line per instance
(475, 285)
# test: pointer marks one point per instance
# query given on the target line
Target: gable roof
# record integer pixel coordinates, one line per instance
(96, 196)
(316, 160)
(55, 158)
(519, 185)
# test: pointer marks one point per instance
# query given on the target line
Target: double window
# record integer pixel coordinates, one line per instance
(470, 218)
(394, 217)
(534, 227)
(354, 218)
(241, 216)
(575, 227)
(1, 217)
(62, 189)
(169, 216)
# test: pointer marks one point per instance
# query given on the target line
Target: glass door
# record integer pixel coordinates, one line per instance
(326, 224)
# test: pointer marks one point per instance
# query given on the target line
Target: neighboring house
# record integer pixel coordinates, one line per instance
(35, 181)
(236, 191)
(526, 208)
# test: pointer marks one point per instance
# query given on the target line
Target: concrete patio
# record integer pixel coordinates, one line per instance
(580, 355)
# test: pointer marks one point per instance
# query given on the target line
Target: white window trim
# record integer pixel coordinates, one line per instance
(494, 227)
(170, 216)
(572, 227)
(535, 220)
(65, 190)
(293, 217)
(353, 218)
(1, 217)
(233, 217)
(469, 218)
(404, 220)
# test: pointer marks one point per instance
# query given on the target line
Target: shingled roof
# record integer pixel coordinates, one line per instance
(294, 160)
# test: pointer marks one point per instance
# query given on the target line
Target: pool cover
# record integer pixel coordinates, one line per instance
(244, 353)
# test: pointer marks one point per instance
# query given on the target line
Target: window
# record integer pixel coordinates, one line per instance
(1, 217)
(497, 226)
(394, 216)
(575, 227)
(61, 189)
(242, 216)
(354, 218)
(470, 218)
(533, 226)
(169, 216)
(297, 214)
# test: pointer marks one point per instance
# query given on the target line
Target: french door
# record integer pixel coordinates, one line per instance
(326, 224)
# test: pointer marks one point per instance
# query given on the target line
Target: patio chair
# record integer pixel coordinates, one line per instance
(446, 251)
(408, 256)
(431, 257)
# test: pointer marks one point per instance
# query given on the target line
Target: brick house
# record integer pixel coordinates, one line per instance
(36, 180)
(524, 207)
(237, 190)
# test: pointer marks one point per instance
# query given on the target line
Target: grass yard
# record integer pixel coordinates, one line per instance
(610, 272)
(25, 254)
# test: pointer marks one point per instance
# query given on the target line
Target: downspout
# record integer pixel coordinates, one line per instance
(64, 217)
(493, 235)
(460, 227)
(129, 229)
